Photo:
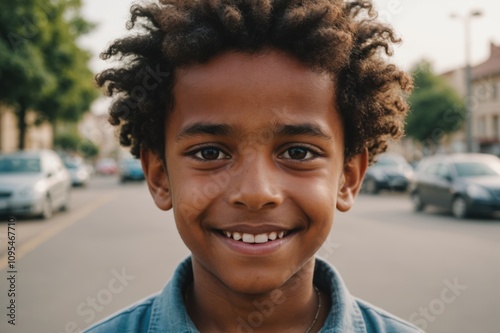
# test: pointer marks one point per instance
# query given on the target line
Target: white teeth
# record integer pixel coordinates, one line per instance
(261, 238)
(248, 238)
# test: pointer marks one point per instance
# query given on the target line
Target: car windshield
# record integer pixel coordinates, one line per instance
(475, 169)
(70, 165)
(20, 165)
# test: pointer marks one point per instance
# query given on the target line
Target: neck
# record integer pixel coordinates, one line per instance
(215, 307)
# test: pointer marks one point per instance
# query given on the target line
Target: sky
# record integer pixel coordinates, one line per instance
(425, 26)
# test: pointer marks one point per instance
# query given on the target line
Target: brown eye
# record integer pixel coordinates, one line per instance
(210, 154)
(298, 153)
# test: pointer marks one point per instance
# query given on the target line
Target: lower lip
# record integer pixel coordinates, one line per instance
(255, 249)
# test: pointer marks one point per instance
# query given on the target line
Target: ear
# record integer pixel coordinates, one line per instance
(157, 179)
(351, 180)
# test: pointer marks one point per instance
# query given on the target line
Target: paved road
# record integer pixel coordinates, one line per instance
(114, 247)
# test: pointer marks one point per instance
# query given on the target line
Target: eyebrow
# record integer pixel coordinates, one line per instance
(308, 129)
(204, 128)
(281, 130)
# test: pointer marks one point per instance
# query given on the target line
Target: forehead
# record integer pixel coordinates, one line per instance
(270, 68)
(252, 89)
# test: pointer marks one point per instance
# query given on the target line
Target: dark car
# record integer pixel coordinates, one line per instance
(130, 169)
(390, 172)
(467, 184)
(33, 183)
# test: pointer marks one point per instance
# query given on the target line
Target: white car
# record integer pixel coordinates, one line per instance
(33, 183)
(79, 171)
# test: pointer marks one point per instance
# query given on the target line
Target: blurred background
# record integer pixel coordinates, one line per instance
(423, 240)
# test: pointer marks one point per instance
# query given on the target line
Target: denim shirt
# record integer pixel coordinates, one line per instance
(165, 312)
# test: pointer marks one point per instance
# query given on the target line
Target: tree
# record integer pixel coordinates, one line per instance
(436, 108)
(41, 66)
(88, 149)
(70, 141)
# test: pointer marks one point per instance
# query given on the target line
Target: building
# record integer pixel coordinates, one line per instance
(92, 127)
(96, 128)
(485, 101)
(37, 137)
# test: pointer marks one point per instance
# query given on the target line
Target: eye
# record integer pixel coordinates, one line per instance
(299, 153)
(209, 154)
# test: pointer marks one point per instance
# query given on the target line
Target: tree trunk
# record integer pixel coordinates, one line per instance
(22, 127)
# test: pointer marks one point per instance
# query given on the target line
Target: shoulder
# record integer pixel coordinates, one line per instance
(378, 320)
(350, 314)
(132, 319)
(162, 312)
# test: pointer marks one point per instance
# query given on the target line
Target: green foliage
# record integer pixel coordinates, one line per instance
(72, 142)
(69, 141)
(88, 149)
(41, 66)
(436, 108)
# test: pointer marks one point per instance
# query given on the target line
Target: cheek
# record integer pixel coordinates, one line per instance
(317, 198)
(317, 193)
(193, 195)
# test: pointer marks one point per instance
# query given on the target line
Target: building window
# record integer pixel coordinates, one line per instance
(481, 93)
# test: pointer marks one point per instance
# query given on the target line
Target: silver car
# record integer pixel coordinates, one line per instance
(33, 183)
(78, 170)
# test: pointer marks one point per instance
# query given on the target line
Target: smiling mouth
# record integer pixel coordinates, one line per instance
(256, 238)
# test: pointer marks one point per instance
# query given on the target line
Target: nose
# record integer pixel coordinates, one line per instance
(256, 185)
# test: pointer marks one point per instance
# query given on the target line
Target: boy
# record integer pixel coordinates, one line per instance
(254, 120)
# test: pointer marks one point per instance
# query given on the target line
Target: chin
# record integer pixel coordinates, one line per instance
(255, 286)
(263, 280)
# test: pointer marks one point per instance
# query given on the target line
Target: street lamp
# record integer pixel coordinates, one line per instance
(468, 77)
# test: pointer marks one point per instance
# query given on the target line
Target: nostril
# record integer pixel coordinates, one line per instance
(255, 204)
(255, 197)
(239, 203)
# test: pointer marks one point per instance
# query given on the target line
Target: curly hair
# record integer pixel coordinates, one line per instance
(340, 37)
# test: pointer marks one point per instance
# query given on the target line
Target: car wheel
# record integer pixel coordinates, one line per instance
(47, 208)
(67, 199)
(459, 208)
(371, 186)
(418, 204)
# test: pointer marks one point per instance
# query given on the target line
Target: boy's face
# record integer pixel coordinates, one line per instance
(254, 149)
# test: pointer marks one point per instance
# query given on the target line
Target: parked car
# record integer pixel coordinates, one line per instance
(466, 184)
(390, 172)
(78, 170)
(130, 169)
(106, 166)
(34, 183)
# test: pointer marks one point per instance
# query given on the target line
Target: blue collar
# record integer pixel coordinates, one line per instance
(169, 314)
